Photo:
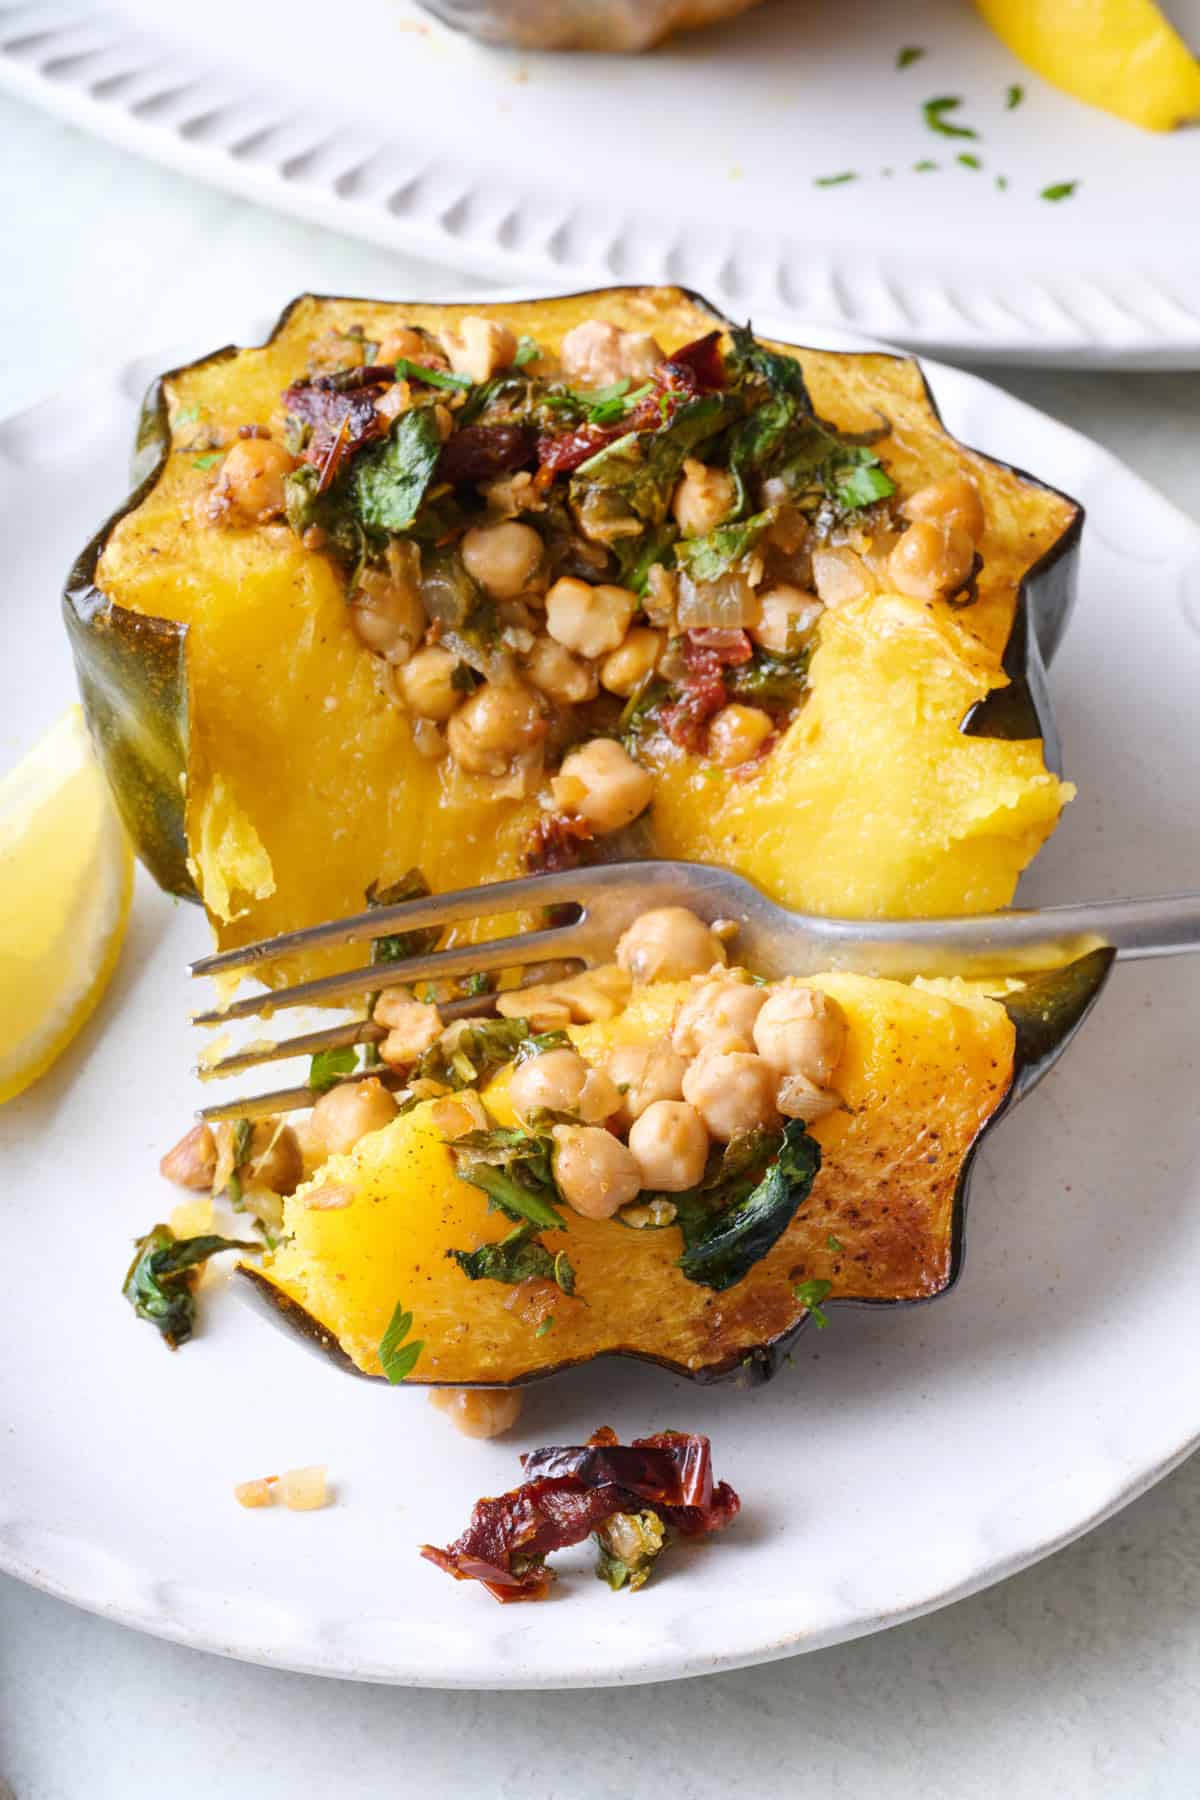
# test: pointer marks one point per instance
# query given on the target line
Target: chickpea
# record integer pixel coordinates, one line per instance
(252, 478)
(595, 354)
(556, 672)
(502, 558)
(426, 684)
(412, 1026)
(498, 721)
(801, 1031)
(733, 1091)
(670, 1142)
(719, 1014)
(799, 1099)
(479, 1412)
(192, 1162)
(589, 620)
(479, 347)
(931, 560)
(840, 575)
(273, 1159)
(606, 786)
(644, 1074)
(626, 667)
(561, 1081)
(787, 619)
(737, 734)
(952, 501)
(669, 943)
(703, 498)
(388, 616)
(348, 1112)
(596, 1173)
(409, 344)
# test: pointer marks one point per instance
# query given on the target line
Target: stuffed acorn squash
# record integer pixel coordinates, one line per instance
(413, 586)
(684, 1176)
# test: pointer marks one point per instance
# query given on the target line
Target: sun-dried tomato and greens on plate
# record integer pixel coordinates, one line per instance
(414, 597)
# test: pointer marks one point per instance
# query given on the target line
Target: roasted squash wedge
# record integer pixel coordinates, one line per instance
(262, 763)
(925, 1071)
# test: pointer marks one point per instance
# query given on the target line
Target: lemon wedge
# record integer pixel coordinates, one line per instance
(66, 882)
(1121, 55)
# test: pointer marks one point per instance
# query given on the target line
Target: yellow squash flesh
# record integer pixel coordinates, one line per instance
(303, 785)
(921, 1074)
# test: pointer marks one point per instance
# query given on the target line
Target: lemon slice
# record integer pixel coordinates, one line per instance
(66, 881)
(1121, 55)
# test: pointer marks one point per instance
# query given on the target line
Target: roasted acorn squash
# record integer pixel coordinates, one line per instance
(925, 1070)
(261, 765)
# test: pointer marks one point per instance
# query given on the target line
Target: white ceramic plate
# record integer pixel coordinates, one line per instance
(904, 1457)
(697, 164)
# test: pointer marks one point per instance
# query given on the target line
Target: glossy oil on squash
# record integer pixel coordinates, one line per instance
(302, 783)
(921, 1075)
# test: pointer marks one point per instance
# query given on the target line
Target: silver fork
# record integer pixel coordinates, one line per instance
(770, 940)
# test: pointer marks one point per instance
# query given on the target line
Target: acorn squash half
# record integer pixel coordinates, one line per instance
(260, 766)
(926, 1071)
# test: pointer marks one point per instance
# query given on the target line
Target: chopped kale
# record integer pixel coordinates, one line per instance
(437, 378)
(390, 480)
(517, 1257)
(723, 1247)
(708, 558)
(642, 468)
(769, 680)
(514, 1169)
(474, 1051)
(161, 1280)
(400, 945)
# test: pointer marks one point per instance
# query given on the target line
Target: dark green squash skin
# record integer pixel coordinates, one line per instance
(1046, 1013)
(133, 678)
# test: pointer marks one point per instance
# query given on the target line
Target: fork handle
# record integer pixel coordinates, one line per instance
(1166, 925)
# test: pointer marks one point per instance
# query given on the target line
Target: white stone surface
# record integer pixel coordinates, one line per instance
(1079, 1677)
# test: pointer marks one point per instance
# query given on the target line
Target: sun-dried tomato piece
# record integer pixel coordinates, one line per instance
(556, 842)
(703, 362)
(729, 644)
(509, 1537)
(341, 419)
(673, 1469)
(562, 453)
(479, 453)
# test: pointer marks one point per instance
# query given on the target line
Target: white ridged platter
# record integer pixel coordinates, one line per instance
(901, 1459)
(698, 164)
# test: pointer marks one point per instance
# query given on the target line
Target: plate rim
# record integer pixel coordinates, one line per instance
(44, 58)
(310, 1650)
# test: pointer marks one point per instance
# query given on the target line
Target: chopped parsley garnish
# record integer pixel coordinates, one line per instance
(397, 1358)
(925, 166)
(328, 1066)
(1002, 183)
(832, 1244)
(836, 180)
(1014, 97)
(1059, 190)
(438, 378)
(400, 945)
(391, 479)
(969, 160)
(546, 1325)
(910, 54)
(207, 460)
(481, 982)
(528, 350)
(186, 416)
(810, 1294)
(935, 112)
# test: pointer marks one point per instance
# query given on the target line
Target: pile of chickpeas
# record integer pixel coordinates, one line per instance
(568, 638)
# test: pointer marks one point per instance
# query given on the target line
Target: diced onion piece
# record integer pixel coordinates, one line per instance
(304, 1490)
(727, 603)
(193, 1218)
(256, 1493)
